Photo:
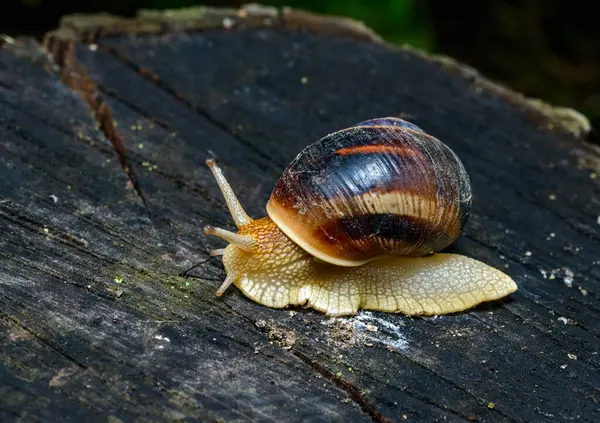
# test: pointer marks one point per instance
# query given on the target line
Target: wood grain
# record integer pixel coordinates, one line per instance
(103, 194)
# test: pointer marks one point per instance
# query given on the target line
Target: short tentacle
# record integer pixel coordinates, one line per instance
(228, 281)
(243, 242)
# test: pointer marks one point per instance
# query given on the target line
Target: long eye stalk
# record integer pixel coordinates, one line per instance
(235, 208)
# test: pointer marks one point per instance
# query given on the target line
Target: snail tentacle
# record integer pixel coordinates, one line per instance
(242, 242)
(239, 215)
(228, 281)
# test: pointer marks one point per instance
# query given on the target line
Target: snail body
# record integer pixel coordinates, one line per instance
(357, 220)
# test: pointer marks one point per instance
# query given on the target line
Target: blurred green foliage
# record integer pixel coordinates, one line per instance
(398, 21)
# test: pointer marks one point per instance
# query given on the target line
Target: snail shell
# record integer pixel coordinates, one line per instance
(381, 187)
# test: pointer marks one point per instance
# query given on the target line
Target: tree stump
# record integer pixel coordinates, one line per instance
(104, 130)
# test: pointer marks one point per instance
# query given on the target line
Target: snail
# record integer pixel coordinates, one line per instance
(357, 221)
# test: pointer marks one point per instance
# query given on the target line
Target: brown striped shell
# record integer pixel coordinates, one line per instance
(381, 187)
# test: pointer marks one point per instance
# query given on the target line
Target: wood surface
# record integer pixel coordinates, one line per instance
(104, 130)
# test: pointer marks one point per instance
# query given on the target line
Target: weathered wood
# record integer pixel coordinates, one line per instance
(103, 193)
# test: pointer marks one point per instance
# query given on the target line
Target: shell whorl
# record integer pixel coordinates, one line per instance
(381, 187)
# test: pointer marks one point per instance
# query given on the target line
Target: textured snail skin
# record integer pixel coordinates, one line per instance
(277, 273)
(381, 187)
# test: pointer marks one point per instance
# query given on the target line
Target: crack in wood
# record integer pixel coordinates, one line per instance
(352, 391)
(102, 148)
(133, 156)
(42, 341)
(73, 76)
(110, 93)
(145, 73)
(199, 189)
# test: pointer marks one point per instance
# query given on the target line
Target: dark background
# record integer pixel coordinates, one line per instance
(543, 48)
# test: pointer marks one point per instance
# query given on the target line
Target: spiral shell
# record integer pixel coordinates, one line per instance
(381, 187)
